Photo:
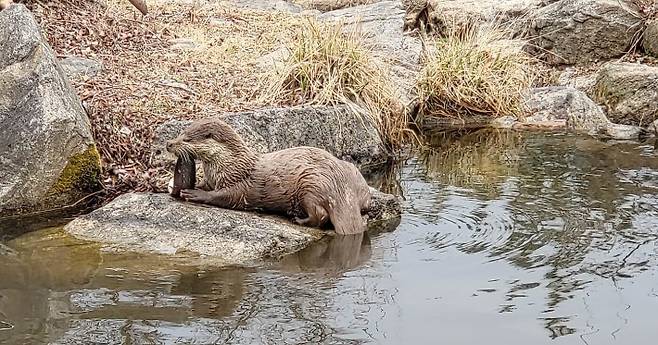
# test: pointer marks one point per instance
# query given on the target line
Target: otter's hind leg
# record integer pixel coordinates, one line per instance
(317, 215)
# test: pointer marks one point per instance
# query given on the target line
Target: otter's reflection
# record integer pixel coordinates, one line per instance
(331, 255)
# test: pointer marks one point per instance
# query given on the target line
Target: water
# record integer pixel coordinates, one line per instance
(505, 239)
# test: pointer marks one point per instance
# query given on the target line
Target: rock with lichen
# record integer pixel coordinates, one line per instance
(48, 158)
(584, 31)
(629, 92)
(437, 16)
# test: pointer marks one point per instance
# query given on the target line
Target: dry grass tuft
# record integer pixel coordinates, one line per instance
(328, 66)
(474, 70)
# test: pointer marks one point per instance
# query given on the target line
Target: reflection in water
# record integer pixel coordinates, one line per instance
(60, 290)
(479, 159)
(331, 256)
(530, 238)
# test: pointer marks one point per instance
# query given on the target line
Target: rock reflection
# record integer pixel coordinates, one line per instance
(59, 290)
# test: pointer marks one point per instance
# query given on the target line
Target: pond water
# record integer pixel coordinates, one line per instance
(506, 238)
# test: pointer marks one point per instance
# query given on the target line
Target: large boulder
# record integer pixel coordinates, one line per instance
(158, 223)
(582, 31)
(335, 129)
(381, 25)
(47, 154)
(629, 91)
(438, 15)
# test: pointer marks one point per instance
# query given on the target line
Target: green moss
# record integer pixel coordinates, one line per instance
(81, 174)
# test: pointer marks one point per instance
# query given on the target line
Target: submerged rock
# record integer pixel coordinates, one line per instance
(629, 91)
(581, 31)
(158, 223)
(47, 154)
(335, 129)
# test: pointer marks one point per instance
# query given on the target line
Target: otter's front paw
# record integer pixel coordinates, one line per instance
(194, 195)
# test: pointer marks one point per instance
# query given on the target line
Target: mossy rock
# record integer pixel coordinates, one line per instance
(80, 177)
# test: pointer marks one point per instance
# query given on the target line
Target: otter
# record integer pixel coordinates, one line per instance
(306, 183)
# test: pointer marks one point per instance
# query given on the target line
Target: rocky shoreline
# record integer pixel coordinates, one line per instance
(49, 159)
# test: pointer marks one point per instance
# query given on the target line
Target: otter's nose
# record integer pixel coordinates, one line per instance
(170, 145)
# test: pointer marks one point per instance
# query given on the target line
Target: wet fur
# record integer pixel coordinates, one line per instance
(306, 183)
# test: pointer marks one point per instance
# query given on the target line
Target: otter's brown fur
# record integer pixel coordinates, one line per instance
(306, 183)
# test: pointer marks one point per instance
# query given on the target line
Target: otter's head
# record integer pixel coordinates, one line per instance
(209, 140)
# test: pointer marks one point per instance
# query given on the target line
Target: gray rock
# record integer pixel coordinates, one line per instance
(48, 158)
(337, 130)
(623, 132)
(581, 31)
(439, 15)
(583, 81)
(145, 222)
(559, 106)
(650, 38)
(629, 91)
(76, 67)
(381, 24)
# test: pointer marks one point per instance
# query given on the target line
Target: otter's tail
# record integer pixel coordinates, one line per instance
(346, 218)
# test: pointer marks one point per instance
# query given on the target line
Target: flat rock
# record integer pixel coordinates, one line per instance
(48, 158)
(335, 129)
(629, 91)
(583, 31)
(159, 223)
(76, 67)
(381, 24)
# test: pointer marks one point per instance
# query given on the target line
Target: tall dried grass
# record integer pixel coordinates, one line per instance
(474, 70)
(329, 66)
